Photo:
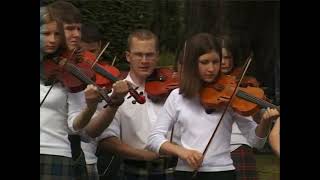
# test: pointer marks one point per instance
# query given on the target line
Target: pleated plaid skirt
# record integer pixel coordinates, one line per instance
(245, 163)
(56, 167)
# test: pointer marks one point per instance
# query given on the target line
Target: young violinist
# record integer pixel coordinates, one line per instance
(241, 150)
(127, 134)
(183, 109)
(70, 104)
(91, 41)
(59, 110)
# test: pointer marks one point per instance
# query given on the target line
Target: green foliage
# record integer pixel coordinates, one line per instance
(117, 18)
(166, 59)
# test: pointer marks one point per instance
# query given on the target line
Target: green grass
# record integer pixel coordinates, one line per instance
(268, 167)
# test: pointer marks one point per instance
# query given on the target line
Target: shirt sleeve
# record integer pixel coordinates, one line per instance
(163, 124)
(76, 102)
(248, 128)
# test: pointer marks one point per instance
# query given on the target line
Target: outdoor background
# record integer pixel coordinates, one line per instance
(254, 24)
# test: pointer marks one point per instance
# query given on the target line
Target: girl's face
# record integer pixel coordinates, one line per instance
(49, 37)
(209, 66)
(227, 61)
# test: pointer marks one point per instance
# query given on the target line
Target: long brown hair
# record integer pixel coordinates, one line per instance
(198, 45)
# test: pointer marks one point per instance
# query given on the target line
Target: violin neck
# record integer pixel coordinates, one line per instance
(97, 68)
(262, 103)
(85, 79)
(78, 74)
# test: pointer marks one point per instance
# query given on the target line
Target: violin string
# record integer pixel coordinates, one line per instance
(75, 71)
(250, 98)
(256, 100)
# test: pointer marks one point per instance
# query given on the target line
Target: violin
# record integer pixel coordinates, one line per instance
(74, 74)
(107, 75)
(160, 83)
(102, 81)
(247, 101)
(54, 70)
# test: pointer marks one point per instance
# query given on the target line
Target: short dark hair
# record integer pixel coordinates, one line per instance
(65, 11)
(90, 33)
(143, 34)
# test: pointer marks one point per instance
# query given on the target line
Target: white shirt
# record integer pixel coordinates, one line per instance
(196, 128)
(237, 138)
(56, 118)
(89, 149)
(132, 122)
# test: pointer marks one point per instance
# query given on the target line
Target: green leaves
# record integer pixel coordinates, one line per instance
(117, 18)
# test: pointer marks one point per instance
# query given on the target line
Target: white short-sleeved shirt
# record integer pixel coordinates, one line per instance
(132, 122)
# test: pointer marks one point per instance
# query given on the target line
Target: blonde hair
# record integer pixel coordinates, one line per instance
(46, 17)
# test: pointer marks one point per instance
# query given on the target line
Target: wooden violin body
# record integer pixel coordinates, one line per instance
(161, 82)
(247, 101)
(55, 69)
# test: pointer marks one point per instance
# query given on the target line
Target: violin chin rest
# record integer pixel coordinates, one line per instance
(210, 111)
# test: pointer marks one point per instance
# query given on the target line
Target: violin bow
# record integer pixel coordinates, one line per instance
(97, 59)
(177, 62)
(248, 61)
(114, 60)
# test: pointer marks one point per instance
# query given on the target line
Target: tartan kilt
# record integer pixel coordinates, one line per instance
(80, 167)
(92, 172)
(245, 163)
(150, 172)
(56, 168)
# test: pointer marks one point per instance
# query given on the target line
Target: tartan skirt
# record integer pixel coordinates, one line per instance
(80, 167)
(153, 170)
(245, 163)
(220, 175)
(56, 168)
(92, 172)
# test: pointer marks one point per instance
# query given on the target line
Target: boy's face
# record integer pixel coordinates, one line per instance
(142, 57)
(72, 34)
